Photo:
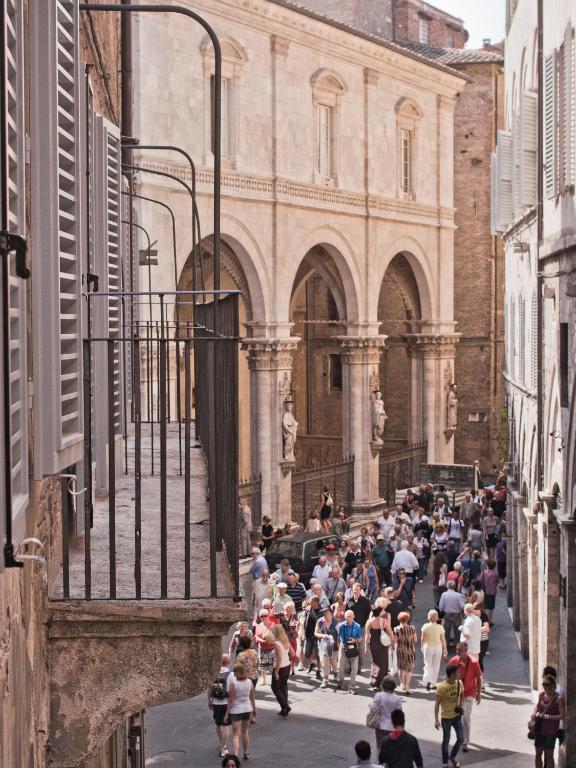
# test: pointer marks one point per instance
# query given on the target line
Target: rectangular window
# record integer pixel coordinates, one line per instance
(424, 31)
(324, 141)
(450, 40)
(225, 117)
(406, 138)
(564, 398)
(336, 373)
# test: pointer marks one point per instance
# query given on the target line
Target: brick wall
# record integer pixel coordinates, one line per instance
(374, 16)
(100, 48)
(407, 15)
(478, 272)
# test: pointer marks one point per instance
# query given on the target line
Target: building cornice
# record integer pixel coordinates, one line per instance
(268, 189)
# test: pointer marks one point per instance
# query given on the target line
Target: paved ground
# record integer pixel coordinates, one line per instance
(323, 726)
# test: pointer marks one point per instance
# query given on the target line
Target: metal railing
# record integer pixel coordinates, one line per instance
(165, 489)
(401, 468)
(308, 483)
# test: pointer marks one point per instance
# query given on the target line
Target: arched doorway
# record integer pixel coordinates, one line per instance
(400, 315)
(233, 278)
(319, 313)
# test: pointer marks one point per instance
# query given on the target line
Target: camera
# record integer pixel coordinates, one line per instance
(459, 710)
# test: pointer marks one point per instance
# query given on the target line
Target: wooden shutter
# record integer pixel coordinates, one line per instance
(566, 121)
(550, 177)
(503, 201)
(516, 163)
(528, 151)
(512, 339)
(12, 200)
(534, 343)
(522, 339)
(56, 128)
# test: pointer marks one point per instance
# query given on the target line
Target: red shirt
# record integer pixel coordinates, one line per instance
(469, 672)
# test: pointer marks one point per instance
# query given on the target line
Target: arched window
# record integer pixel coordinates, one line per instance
(407, 117)
(233, 59)
(327, 91)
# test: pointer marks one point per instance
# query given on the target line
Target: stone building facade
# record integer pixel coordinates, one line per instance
(478, 254)
(71, 671)
(338, 181)
(534, 208)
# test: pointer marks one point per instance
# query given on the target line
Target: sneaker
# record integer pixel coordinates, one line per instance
(324, 684)
(465, 748)
(300, 668)
(352, 691)
(420, 581)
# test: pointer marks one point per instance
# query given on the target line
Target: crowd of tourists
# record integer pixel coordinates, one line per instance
(357, 613)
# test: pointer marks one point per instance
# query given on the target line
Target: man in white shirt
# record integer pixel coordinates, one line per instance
(404, 560)
(471, 630)
(386, 522)
(322, 571)
(364, 755)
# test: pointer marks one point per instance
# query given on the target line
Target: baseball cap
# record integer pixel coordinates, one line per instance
(380, 537)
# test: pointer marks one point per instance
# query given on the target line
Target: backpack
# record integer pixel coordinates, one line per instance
(219, 689)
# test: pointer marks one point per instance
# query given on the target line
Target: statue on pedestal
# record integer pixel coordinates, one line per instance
(452, 408)
(289, 431)
(378, 417)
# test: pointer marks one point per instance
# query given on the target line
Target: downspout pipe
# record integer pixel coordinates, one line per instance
(540, 235)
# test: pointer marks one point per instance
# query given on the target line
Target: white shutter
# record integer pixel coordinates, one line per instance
(550, 128)
(503, 204)
(516, 162)
(567, 126)
(512, 339)
(522, 340)
(528, 151)
(107, 265)
(534, 343)
(56, 127)
(12, 199)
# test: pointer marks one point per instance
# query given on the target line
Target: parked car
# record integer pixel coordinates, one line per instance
(303, 550)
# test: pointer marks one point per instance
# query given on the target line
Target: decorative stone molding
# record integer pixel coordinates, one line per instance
(361, 350)
(371, 76)
(433, 345)
(270, 354)
(279, 46)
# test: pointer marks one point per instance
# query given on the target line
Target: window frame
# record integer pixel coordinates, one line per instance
(333, 373)
(408, 115)
(423, 24)
(328, 89)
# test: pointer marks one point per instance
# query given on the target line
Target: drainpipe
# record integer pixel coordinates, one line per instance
(540, 232)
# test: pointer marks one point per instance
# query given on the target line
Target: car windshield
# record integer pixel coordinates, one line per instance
(318, 547)
(289, 549)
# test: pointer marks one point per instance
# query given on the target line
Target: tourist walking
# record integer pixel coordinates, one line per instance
(433, 644)
(282, 655)
(471, 631)
(406, 650)
(326, 504)
(470, 675)
(451, 606)
(501, 560)
(248, 658)
(545, 722)
(360, 606)
(350, 638)
(218, 703)
(385, 701)
(448, 715)
(490, 582)
(490, 531)
(400, 749)
(241, 706)
(378, 637)
(364, 755)
(231, 761)
(439, 575)
(327, 635)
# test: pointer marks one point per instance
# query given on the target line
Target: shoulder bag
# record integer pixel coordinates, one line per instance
(384, 636)
(373, 718)
(535, 723)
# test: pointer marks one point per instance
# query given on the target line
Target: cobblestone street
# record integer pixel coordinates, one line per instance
(324, 725)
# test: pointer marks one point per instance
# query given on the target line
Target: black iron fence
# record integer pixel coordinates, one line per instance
(160, 415)
(308, 483)
(401, 468)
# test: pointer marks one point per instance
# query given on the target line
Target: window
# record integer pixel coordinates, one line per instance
(324, 141)
(56, 213)
(233, 59)
(335, 373)
(424, 31)
(225, 139)
(560, 118)
(327, 92)
(502, 199)
(534, 344)
(12, 186)
(564, 366)
(522, 339)
(450, 40)
(512, 339)
(408, 116)
(406, 161)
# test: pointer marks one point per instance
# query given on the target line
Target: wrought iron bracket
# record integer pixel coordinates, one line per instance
(9, 243)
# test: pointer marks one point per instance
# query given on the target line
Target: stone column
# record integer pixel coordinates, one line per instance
(360, 365)
(433, 355)
(270, 364)
(566, 619)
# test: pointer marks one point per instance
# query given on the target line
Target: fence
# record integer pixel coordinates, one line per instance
(308, 482)
(401, 468)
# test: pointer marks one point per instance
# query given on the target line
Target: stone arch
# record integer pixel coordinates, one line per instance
(416, 257)
(408, 108)
(329, 80)
(232, 49)
(340, 251)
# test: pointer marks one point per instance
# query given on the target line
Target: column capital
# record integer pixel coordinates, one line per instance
(433, 344)
(270, 354)
(279, 46)
(361, 350)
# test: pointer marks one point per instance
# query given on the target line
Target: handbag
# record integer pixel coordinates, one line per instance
(351, 650)
(373, 718)
(385, 637)
(535, 723)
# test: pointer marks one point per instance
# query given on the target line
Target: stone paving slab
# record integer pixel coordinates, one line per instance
(150, 538)
(324, 724)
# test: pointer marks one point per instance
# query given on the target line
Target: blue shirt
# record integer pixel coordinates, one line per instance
(346, 631)
(258, 566)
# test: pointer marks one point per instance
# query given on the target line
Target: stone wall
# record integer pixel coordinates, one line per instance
(375, 16)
